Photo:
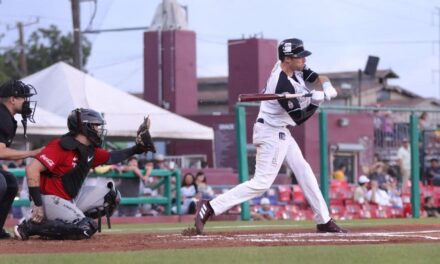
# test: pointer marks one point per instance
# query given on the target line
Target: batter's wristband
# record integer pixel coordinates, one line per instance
(34, 193)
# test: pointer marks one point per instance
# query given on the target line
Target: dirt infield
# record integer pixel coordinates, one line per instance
(278, 237)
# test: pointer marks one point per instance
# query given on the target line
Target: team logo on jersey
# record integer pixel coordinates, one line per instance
(49, 162)
(56, 200)
(290, 104)
(75, 159)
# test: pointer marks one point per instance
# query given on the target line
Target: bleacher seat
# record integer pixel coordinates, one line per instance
(337, 211)
(284, 193)
(353, 211)
(298, 197)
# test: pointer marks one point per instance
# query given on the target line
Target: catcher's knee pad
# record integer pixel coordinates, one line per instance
(106, 201)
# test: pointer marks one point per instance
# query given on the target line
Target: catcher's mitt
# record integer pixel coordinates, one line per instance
(144, 143)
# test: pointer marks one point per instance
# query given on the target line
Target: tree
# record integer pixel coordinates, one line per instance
(43, 48)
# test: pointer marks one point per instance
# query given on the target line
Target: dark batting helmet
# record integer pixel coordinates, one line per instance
(292, 48)
(82, 121)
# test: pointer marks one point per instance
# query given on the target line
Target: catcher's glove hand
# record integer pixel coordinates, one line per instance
(144, 143)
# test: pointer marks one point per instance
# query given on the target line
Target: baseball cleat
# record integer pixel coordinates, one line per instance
(21, 231)
(204, 211)
(330, 227)
(4, 234)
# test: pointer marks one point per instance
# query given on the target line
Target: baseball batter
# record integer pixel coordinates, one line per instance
(274, 142)
(61, 208)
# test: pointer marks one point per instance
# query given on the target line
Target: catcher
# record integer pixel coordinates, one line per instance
(61, 209)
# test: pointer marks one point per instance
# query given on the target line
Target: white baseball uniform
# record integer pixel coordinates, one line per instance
(275, 144)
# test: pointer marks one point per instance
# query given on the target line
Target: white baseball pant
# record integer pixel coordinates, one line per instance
(274, 144)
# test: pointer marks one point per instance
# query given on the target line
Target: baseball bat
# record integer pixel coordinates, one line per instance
(265, 97)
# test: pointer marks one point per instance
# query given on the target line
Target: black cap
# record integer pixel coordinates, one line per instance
(292, 48)
(16, 88)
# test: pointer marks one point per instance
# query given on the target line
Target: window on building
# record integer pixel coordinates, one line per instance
(383, 95)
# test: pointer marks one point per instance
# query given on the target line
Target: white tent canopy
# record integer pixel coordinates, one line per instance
(46, 123)
(62, 88)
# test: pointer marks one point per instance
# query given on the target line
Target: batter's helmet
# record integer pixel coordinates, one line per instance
(17, 88)
(81, 121)
(292, 48)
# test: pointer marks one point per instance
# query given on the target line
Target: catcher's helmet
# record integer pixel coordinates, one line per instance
(17, 88)
(81, 121)
(292, 48)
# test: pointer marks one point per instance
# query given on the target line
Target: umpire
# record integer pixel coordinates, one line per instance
(15, 99)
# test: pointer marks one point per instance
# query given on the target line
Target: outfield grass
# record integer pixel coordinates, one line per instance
(384, 253)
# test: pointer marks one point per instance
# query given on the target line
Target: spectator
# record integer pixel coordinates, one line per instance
(130, 187)
(424, 123)
(204, 189)
(432, 173)
(377, 195)
(404, 157)
(388, 128)
(264, 212)
(395, 195)
(188, 192)
(15, 164)
(159, 162)
(146, 189)
(430, 209)
(339, 174)
(378, 174)
(360, 193)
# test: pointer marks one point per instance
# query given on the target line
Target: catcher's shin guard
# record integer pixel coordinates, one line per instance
(57, 229)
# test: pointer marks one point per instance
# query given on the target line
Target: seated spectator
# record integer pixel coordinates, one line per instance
(264, 212)
(159, 162)
(133, 165)
(395, 195)
(15, 164)
(377, 195)
(430, 209)
(378, 174)
(188, 191)
(204, 189)
(339, 174)
(146, 189)
(129, 187)
(432, 173)
(360, 193)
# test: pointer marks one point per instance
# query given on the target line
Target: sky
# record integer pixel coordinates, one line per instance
(341, 34)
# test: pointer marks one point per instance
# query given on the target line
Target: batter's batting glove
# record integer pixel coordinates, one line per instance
(317, 97)
(329, 90)
(144, 143)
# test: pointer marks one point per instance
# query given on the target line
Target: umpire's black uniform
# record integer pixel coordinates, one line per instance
(8, 182)
(8, 128)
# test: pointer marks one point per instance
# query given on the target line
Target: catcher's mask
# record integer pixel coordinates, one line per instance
(89, 123)
(16, 88)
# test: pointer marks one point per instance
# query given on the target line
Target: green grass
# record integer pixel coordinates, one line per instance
(385, 253)
(404, 253)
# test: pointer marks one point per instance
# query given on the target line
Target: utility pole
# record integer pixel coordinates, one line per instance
(77, 50)
(22, 46)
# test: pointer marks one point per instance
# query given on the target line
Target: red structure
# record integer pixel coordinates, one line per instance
(250, 63)
(170, 70)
